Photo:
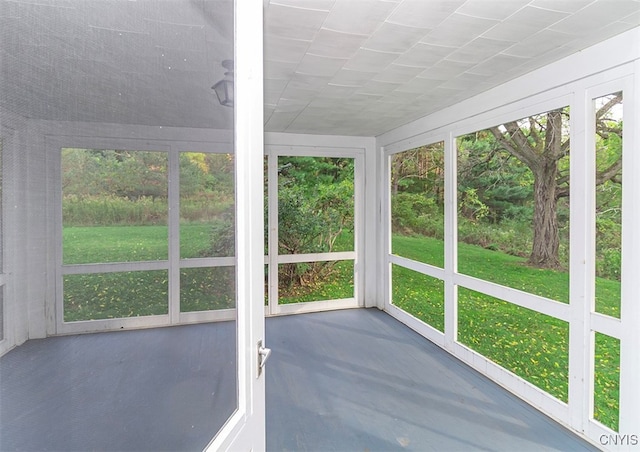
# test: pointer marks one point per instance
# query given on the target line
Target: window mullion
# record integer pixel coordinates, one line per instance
(174, 236)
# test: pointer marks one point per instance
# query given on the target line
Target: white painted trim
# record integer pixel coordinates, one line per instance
(630, 337)
(103, 325)
(272, 189)
(606, 325)
(245, 430)
(315, 146)
(450, 241)
(370, 242)
(416, 266)
(88, 269)
(314, 151)
(316, 306)
(208, 262)
(219, 315)
(316, 257)
(520, 298)
(294, 140)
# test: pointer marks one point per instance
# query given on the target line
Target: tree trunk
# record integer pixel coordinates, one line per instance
(546, 243)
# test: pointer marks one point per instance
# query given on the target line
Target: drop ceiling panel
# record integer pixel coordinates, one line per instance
(293, 22)
(491, 9)
(423, 14)
(357, 17)
(355, 67)
(366, 60)
(424, 55)
(394, 38)
(457, 30)
(330, 43)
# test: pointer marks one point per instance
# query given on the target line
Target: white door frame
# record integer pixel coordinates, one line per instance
(245, 430)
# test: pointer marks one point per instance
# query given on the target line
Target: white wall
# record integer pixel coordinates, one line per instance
(14, 162)
(604, 68)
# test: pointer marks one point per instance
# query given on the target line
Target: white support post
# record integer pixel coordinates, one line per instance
(630, 306)
(272, 184)
(450, 242)
(581, 224)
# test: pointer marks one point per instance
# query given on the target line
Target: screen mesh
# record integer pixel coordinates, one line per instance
(111, 133)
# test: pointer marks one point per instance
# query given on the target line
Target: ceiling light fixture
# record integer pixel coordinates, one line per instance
(224, 88)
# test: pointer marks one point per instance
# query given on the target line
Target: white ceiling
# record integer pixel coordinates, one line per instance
(363, 67)
(343, 67)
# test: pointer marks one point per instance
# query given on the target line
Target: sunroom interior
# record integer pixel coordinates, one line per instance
(363, 160)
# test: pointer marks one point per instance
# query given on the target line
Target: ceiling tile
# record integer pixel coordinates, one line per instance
(445, 70)
(397, 74)
(280, 120)
(321, 5)
(423, 14)
(366, 60)
(537, 17)
(457, 30)
(291, 22)
(479, 50)
(297, 96)
(335, 44)
(338, 92)
(632, 19)
(361, 17)
(595, 16)
(279, 70)
(394, 38)
(538, 44)
(278, 48)
(510, 31)
(491, 9)
(420, 85)
(375, 87)
(424, 55)
(497, 65)
(308, 81)
(567, 6)
(319, 65)
(349, 77)
(458, 83)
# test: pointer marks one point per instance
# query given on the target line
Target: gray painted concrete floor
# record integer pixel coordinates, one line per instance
(359, 380)
(351, 380)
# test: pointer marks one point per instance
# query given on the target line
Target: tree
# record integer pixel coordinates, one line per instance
(539, 143)
(315, 206)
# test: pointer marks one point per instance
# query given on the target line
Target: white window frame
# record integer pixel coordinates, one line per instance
(172, 265)
(273, 259)
(581, 317)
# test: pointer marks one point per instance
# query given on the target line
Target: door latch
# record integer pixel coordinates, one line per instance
(263, 356)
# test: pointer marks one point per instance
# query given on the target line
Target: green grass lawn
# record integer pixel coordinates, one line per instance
(532, 345)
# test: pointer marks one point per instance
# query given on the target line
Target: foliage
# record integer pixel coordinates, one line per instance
(315, 207)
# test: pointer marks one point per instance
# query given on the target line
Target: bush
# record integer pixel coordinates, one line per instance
(417, 213)
(113, 210)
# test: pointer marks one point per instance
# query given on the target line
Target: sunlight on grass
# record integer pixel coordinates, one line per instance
(115, 295)
(336, 284)
(420, 295)
(529, 344)
(102, 244)
(607, 380)
(204, 289)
